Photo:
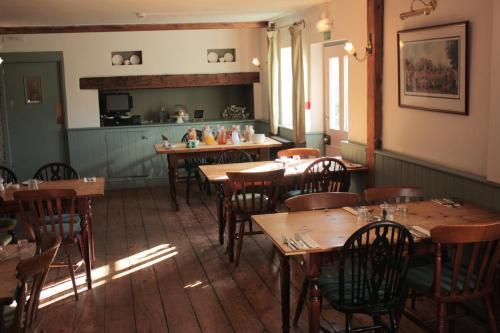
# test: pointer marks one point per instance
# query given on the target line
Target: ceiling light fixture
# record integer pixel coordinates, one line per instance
(429, 6)
(351, 50)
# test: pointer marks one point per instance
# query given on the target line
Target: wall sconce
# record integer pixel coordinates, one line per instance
(349, 48)
(429, 6)
(256, 62)
(1, 60)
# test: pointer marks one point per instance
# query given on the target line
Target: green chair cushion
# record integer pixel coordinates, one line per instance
(77, 228)
(5, 238)
(7, 223)
(291, 194)
(248, 196)
(8, 317)
(421, 278)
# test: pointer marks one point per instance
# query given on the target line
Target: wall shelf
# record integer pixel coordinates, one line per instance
(168, 81)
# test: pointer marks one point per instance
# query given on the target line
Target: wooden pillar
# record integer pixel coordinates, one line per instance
(375, 15)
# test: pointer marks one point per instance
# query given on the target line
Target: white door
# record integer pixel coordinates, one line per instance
(336, 69)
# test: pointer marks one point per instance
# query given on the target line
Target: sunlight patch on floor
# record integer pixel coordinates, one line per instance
(62, 289)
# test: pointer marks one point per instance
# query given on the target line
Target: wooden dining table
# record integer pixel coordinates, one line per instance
(85, 192)
(217, 174)
(178, 151)
(330, 228)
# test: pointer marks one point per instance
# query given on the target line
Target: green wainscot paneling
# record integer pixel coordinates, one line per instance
(125, 155)
(437, 181)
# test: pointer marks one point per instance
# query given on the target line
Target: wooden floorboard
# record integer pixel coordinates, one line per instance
(158, 270)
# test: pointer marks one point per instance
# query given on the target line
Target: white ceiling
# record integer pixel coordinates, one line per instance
(93, 12)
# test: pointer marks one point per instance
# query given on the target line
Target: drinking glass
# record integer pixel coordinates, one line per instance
(364, 215)
(402, 214)
(32, 184)
(388, 211)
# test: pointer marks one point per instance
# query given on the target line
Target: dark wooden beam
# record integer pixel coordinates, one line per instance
(375, 67)
(168, 81)
(129, 27)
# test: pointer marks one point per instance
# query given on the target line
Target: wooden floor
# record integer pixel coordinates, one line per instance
(163, 271)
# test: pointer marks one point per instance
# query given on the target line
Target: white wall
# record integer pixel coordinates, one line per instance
(164, 52)
(493, 169)
(458, 142)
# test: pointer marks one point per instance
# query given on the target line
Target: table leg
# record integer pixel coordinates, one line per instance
(220, 212)
(91, 232)
(285, 292)
(230, 231)
(313, 271)
(264, 154)
(172, 179)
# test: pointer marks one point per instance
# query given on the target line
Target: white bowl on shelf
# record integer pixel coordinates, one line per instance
(258, 138)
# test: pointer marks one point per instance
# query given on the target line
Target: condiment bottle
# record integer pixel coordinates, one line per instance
(221, 135)
(192, 134)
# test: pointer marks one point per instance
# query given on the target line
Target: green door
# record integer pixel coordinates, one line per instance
(34, 116)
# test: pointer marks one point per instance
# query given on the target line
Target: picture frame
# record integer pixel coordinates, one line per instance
(433, 68)
(33, 90)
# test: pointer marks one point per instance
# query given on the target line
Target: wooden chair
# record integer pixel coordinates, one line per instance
(370, 276)
(315, 201)
(327, 174)
(7, 175)
(467, 274)
(302, 152)
(56, 211)
(249, 194)
(56, 171)
(191, 166)
(227, 157)
(393, 194)
(32, 274)
(326, 200)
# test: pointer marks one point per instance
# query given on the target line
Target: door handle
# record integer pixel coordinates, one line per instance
(144, 137)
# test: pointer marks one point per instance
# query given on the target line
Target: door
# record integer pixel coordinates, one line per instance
(34, 112)
(336, 97)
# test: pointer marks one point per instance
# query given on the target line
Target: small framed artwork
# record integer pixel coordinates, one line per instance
(33, 90)
(433, 68)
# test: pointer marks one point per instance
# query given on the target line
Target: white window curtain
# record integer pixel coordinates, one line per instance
(298, 107)
(272, 79)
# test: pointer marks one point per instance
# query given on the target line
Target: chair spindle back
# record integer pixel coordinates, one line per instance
(326, 174)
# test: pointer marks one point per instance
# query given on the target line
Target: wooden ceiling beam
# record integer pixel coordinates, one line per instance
(375, 72)
(168, 81)
(129, 27)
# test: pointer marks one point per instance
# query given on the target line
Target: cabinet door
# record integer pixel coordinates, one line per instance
(128, 153)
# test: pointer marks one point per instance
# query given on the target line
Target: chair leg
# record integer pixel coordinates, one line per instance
(240, 243)
(188, 185)
(491, 314)
(441, 318)
(71, 270)
(348, 326)
(301, 301)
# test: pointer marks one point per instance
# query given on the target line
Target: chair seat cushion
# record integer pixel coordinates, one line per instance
(7, 224)
(5, 238)
(248, 199)
(77, 228)
(291, 194)
(421, 278)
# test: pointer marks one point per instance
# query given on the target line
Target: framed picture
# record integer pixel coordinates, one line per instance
(198, 114)
(433, 68)
(33, 90)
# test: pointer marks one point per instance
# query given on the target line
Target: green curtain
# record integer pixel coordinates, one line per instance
(298, 107)
(272, 79)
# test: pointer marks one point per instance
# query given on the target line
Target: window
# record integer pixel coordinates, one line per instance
(286, 118)
(339, 117)
(334, 93)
